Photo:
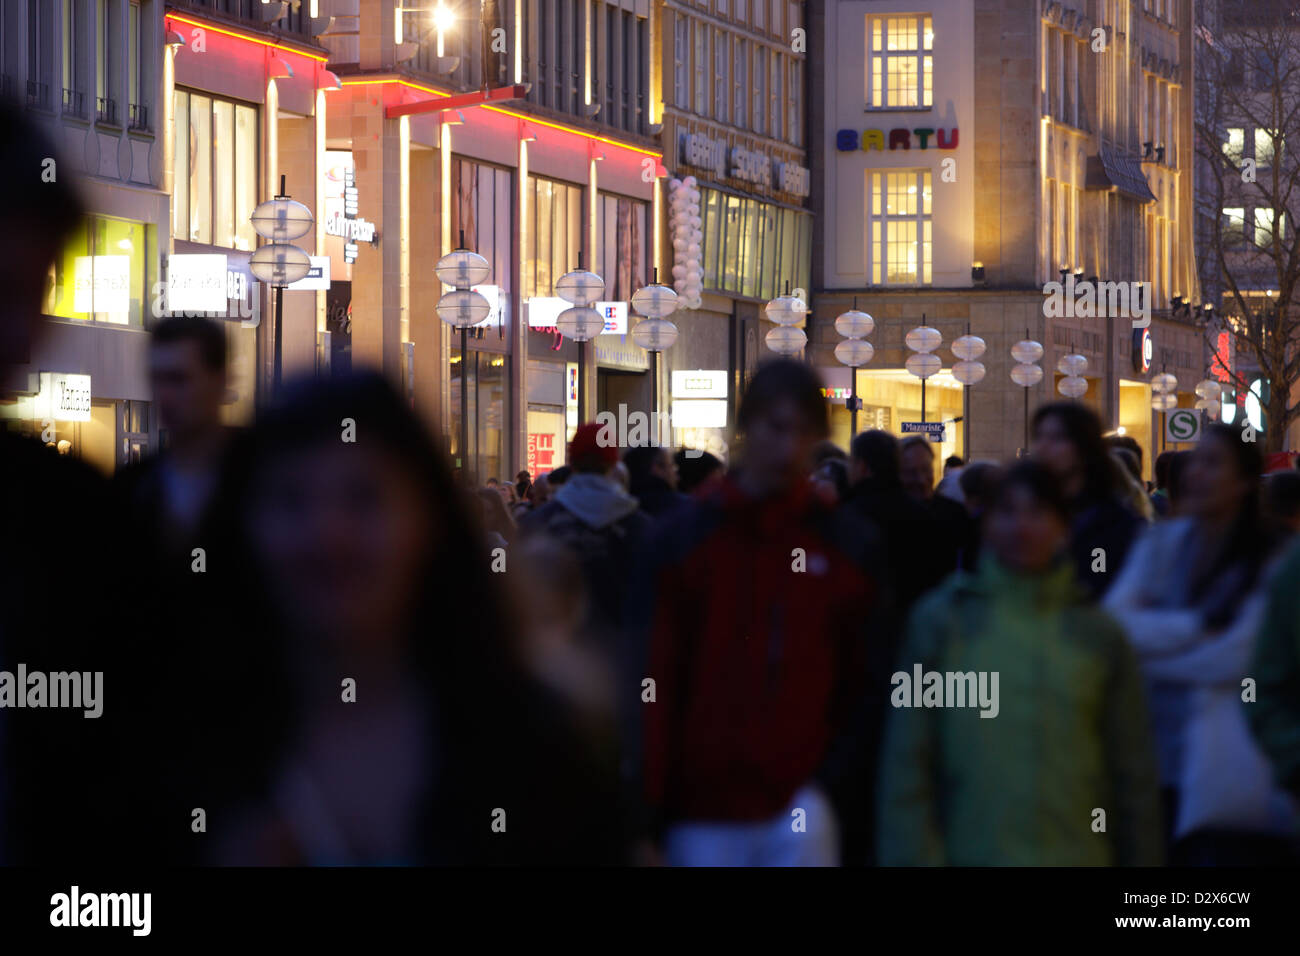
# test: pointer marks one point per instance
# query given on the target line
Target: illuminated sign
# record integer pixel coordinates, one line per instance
(794, 179)
(543, 311)
(751, 166)
(700, 413)
(699, 150)
(198, 283)
(849, 140)
(102, 284)
(317, 277)
(496, 301)
(64, 397)
(1142, 351)
(699, 383)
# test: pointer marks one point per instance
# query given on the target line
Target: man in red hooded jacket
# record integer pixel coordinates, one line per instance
(759, 652)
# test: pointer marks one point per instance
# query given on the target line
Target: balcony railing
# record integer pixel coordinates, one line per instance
(139, 116)
(74, 103)
(106, 110)
(38, 95)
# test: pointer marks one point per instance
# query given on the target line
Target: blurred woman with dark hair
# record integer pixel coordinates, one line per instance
(1191, 599)
(386, 717)
(1067, 439)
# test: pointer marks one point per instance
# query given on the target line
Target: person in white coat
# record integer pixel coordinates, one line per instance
(1191, 597)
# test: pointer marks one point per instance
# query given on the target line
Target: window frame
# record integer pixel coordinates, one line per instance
(880, 36)
(880, 237)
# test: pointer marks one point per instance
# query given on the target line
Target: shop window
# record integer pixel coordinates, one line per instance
(554, 237)
(623, 251)
(215, 167)
(900, 223)
(900, 62)
(712, 201)
(488, 393)
(105, 273)
(732, 225)
(483, 210)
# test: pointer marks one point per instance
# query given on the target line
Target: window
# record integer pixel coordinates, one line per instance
(777, 107)
(712, 202)
(74, 96)
(1265, 147)
(681, 61)
(1235, 147)
(1234, 225)
(900, 227)
(105, 67)
(760, 87)
(721, 75)
(760, 15)
(215, 171)
(135, 70)
(483, 207)
(623, 251)
(105, 272)
(701, 68)
(776, 16)
(732, 224)
(901, 62)
(554, 235)
(794, 114)
(742, 10)
(1264, 227)
(740, 95)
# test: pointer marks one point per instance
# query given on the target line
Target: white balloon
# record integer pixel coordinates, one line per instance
(674, 184)
(679, 245)
(689, 181)
(693, 249)
(679, 271)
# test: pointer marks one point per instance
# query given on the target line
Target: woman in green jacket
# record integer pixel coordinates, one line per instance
(1018, 733)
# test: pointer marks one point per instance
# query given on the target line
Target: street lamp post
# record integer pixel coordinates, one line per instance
(655, 333)
(279, 263)
(969, 371)
(582, 290)
(923, 340)
(1165, 398)
(1026, 373)
(462, 308)
(855, 326)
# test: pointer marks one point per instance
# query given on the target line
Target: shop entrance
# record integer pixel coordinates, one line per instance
(621, 393)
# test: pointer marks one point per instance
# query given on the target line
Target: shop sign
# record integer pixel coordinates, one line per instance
(64, 397)
(317, 278)
(751, 166)
(618, 352)
(848, 140)
(102, 284)
(353, 230)
(700, 383)
(198, 283)
(1143, 350)
(699, 413)
(496, 300)
(543, 311)
(541, 452)
(793, 179)
(705, 153)
(931, 430)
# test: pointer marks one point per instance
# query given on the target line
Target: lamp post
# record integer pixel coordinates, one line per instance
(1165, 398)
(923, 340)
(462, 308)
(1072, 366)
(1027, 374)
(855, 326)
(279, 263)
(582, 290)
(655, 333)
(968, 348)
(787, 311)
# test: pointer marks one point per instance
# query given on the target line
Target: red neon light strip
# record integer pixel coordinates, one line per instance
(204, 25)
(456, 102)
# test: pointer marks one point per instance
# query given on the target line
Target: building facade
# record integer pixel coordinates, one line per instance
(978, 164)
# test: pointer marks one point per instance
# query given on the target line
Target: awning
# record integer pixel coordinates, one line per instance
(1113, 168)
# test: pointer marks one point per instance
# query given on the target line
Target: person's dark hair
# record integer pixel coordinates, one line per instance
(492, 483)
(1131, 463)
(1162, 468)
(953, 461)
(1083, 428)
(979, 481)
(1042, 485)
(559, 476)
(205, 333)
(1175, 471)
(461, 642)
(835, 470)
(784, 380)
(828, 449)
(695, 471)
(879, 451)
(916, 441)
(497, 518)
(640, 461)
(523, 475)
(1130, 443)
(1282, 496)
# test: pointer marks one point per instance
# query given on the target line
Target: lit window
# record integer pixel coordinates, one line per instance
(1234, 224)
(900, 239)
(1264, 227)
(901, 62)
(1235, 147)
(1265, 147)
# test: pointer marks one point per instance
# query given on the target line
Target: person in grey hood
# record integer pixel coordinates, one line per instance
(600, 523)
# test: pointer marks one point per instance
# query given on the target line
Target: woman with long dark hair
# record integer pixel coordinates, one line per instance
(1067, 439)
(1191, 598)
(385, 717)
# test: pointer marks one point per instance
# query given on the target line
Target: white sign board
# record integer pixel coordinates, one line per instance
(64, 397)
(615, 314)
(543, 311)
(1182, 424)
(700, 383)
(197, 283)
(102, 284)
(496, 299)
(317, 278)
(700, 413)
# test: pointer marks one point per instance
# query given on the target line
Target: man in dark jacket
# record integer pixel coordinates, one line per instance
(652, 479)
(754, 698)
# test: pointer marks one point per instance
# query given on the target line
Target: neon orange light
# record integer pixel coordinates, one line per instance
(523, 116)
(204, 25)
